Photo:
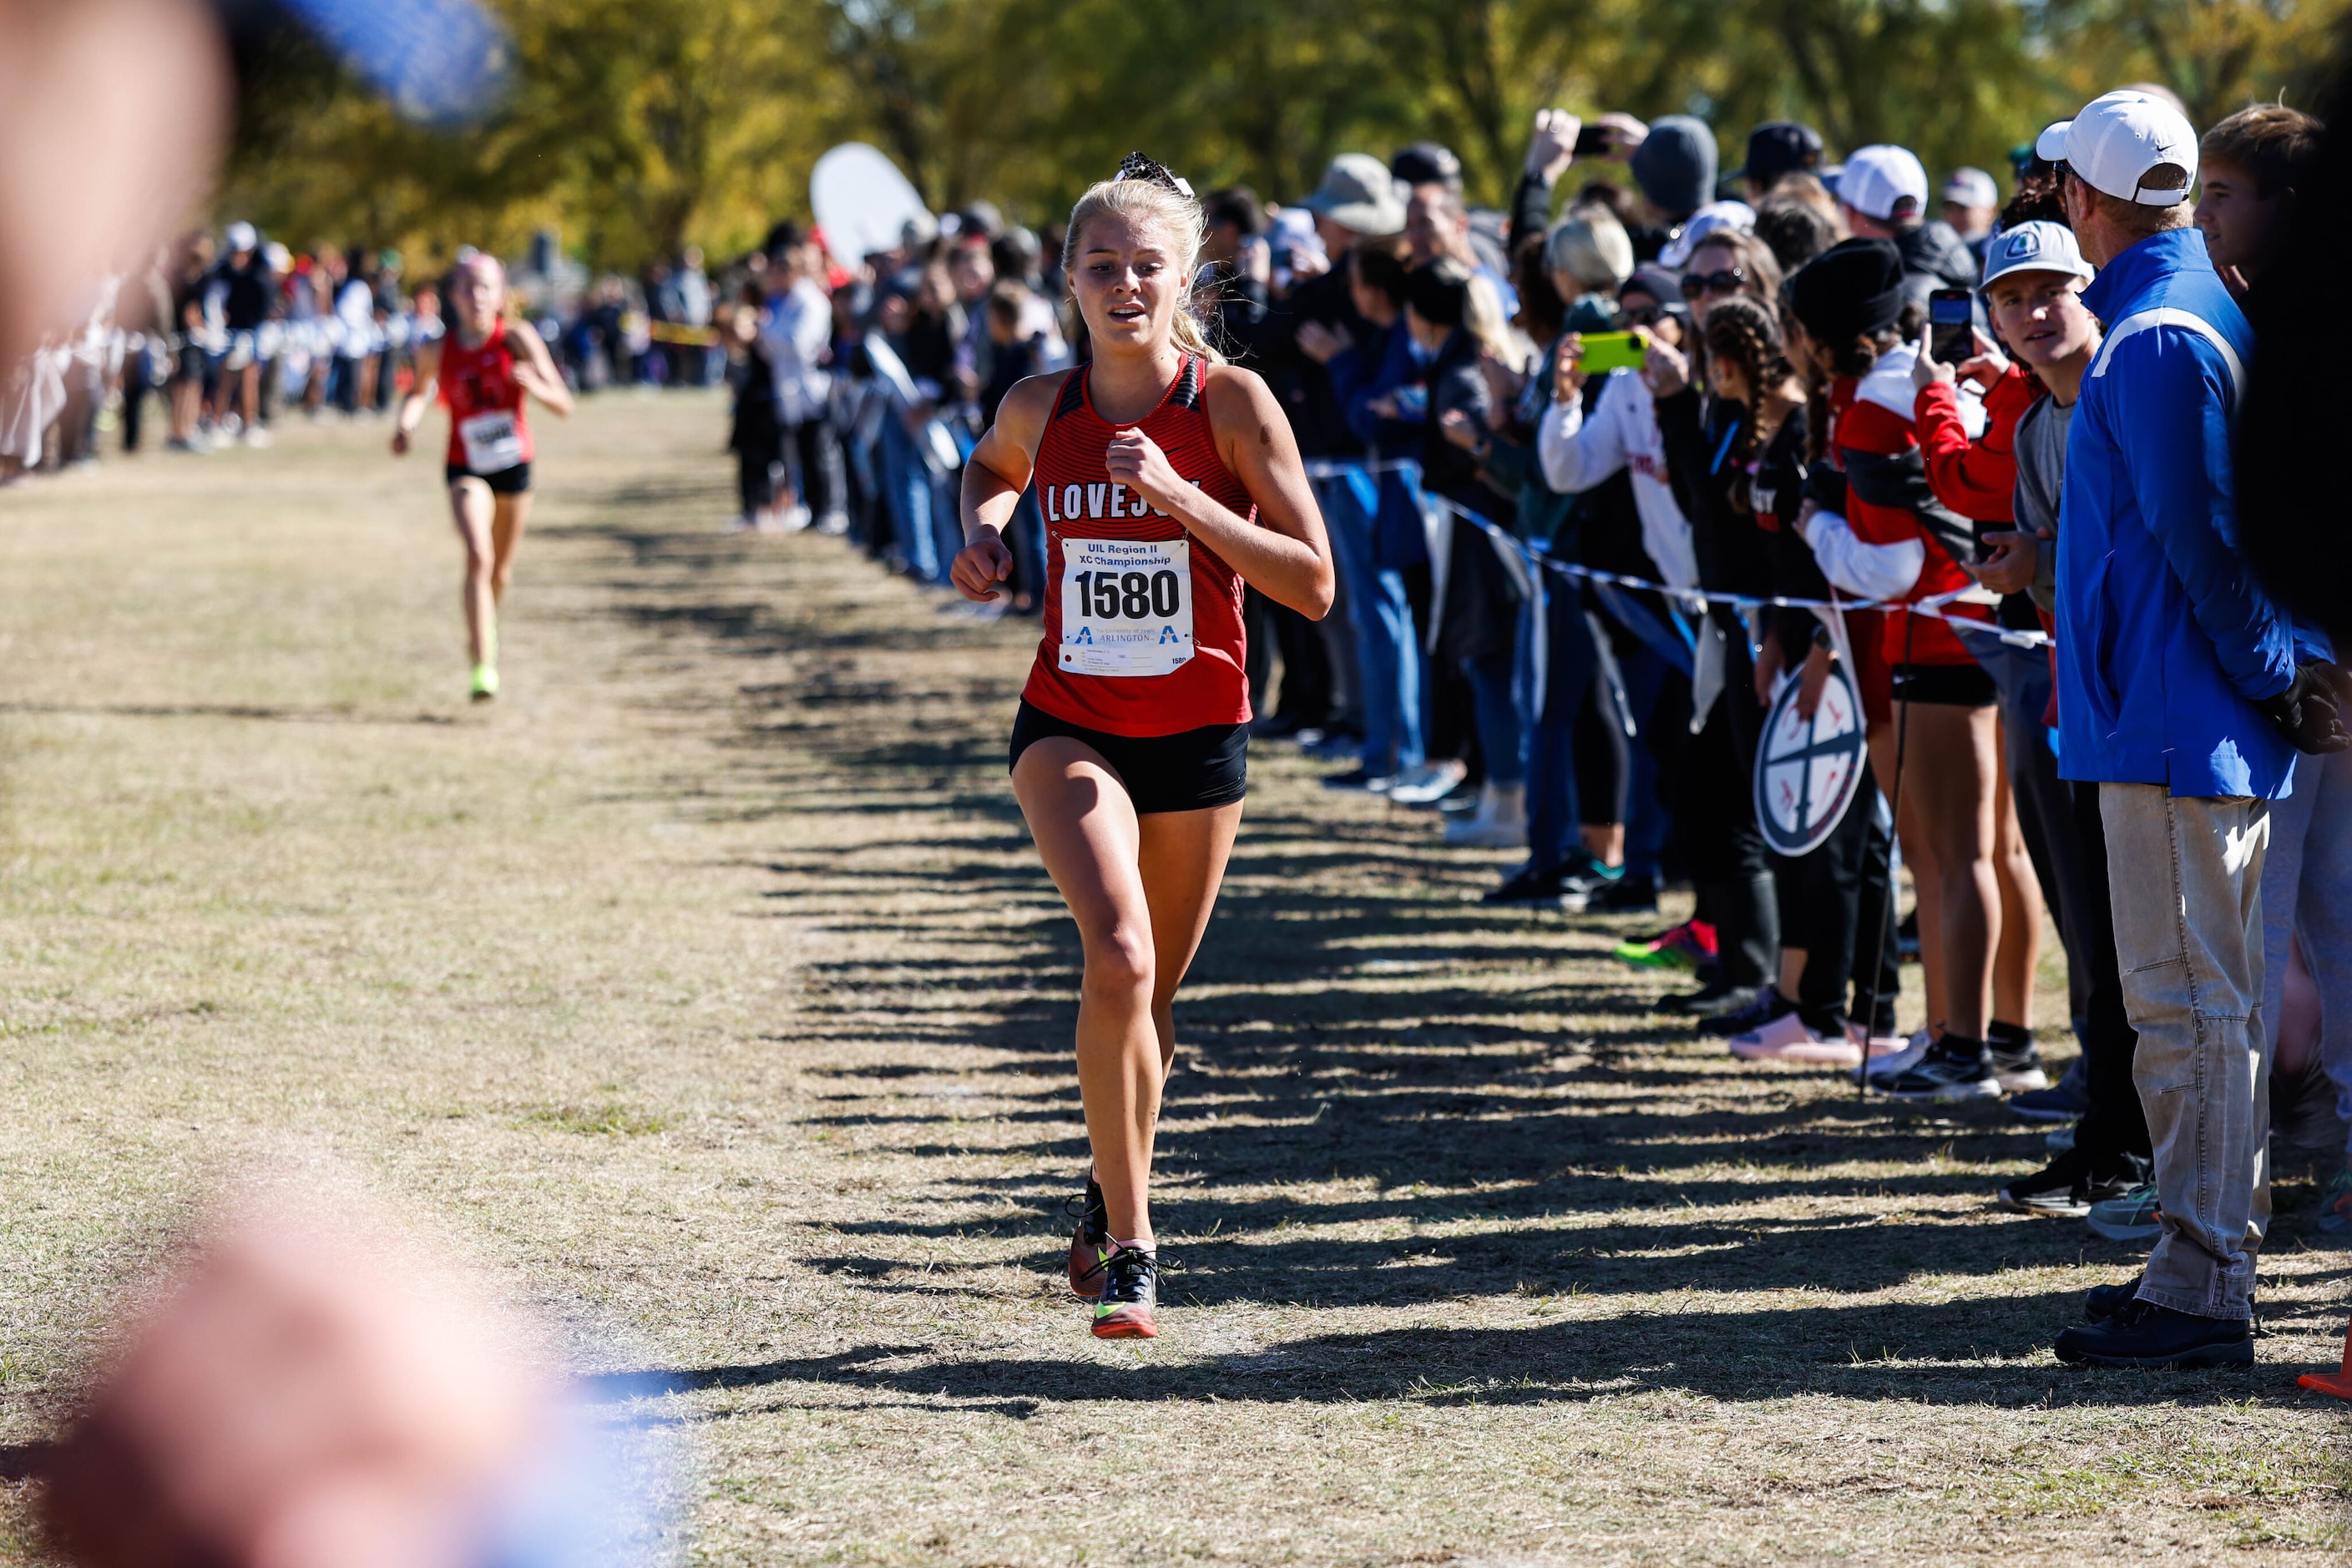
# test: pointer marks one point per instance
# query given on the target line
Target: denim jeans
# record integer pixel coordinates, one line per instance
(1499, 709)
(908, 493)
(2307, 892)
(1659, 696)
(2186, 873)
(1553, 809)
(1388, 653)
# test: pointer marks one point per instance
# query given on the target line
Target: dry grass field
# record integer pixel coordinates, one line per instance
(707, 990)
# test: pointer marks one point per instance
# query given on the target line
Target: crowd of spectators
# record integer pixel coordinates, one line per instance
(223, 334)
(1579, 569)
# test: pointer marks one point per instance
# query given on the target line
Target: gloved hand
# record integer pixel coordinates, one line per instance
(2310, 712)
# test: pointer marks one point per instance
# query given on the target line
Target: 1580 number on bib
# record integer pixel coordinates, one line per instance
(1127, 605)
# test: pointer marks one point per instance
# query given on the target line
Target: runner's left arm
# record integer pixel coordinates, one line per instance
(1285, 555)
(538, 374)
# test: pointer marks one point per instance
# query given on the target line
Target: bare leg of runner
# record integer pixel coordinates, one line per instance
(1100, 854)
(506, 534)
(470, 503)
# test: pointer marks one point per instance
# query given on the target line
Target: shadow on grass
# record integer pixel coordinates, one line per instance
(1963, 1352)
(1513, 1117)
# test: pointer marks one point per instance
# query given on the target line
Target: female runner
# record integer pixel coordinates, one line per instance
(484, 371)
(1167, 479)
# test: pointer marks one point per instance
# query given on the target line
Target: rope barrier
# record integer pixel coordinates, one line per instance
(1932, 607)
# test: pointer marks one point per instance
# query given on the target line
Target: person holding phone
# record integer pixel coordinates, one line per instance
(1601, 430)
(1168, 479)
(1929, 703)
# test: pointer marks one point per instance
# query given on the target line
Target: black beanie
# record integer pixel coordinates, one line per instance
(1853, 289)
(1438, 292)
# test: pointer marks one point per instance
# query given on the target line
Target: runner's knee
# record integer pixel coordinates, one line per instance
(1120, 962)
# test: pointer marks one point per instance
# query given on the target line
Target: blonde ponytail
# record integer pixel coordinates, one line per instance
(1176, 212)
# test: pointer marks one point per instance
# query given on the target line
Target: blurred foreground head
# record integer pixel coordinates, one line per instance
(314, 1389)
(112, 112)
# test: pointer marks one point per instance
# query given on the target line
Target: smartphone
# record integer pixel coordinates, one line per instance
(1951, 325)
(1595, 142)
(1605, 352)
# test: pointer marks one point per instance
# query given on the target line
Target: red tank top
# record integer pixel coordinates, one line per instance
(1140, 652)
(486, 403)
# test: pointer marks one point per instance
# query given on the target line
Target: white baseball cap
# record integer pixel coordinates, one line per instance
(2036, 246)
(2121, 138)
(1971, 188)
(1879, 179)
(1705, 224)
(241, 236)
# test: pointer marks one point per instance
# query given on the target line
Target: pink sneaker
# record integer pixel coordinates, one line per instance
(1789, 1039)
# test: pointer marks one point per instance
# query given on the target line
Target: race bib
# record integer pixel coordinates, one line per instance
(1127, 605)
(493, 444)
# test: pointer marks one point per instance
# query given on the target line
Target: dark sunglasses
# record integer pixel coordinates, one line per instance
(1697, 283)
(1644, 315)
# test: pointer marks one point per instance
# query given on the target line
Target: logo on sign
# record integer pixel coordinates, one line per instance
(1809, 771)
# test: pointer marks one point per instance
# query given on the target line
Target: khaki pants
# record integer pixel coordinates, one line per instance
(2186, 875)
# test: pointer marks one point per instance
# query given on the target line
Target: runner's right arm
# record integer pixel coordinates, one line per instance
(994, 476)
(413, 406)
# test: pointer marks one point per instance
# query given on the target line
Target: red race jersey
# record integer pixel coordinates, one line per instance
(1143, 623)
(487, 432)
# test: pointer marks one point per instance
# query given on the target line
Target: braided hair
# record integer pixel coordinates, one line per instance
(1740, 331)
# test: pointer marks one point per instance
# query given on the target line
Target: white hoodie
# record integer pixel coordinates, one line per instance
(1578, 454)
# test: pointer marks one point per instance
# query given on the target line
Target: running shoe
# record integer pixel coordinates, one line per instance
(1366, 779)
(486, 682)
(2336, 1206)
(1684, 946)
(1789, 1039)
(1715, 998)
(1955, 1068)
(1631, 895)
(833, 524)
(2066, 1188)
(2132, 1216)
(1767, 1005)
(1090, 1243)
(2018, 1070)
(1130, 1290)
(2065, 1100)
(1532, 889)
(1428, 782)
(1894, 1064)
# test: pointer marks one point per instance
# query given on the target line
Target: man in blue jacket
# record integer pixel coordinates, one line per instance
(2182, 692)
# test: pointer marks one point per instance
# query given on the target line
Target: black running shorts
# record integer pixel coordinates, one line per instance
(511, 482)
(1945, 685)
(1193, 770)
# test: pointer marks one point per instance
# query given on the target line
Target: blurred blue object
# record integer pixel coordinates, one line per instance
(442, 62)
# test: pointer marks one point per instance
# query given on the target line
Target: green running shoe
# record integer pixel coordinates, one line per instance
(486, 682)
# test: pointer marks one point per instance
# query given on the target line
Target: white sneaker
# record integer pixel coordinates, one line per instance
(1789, 1039)
(741, 525)
(836, 523)
(1499, 823)
(255, 435)
(794, 519)
(1914, 1052)
(1425, 785)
